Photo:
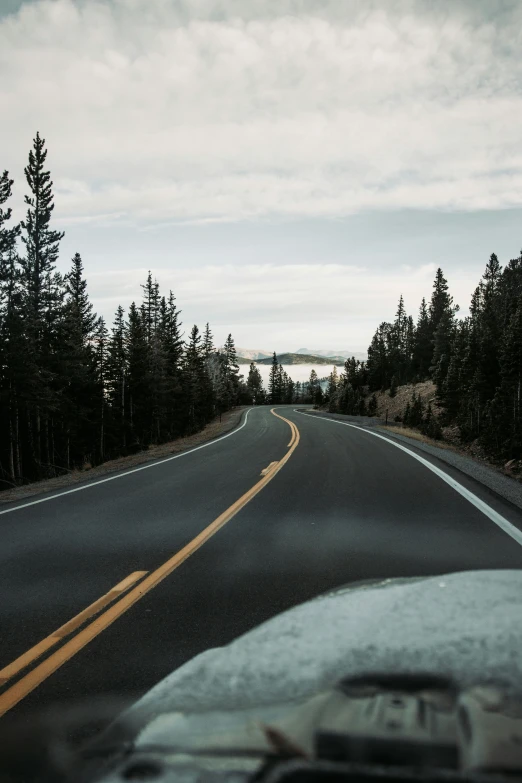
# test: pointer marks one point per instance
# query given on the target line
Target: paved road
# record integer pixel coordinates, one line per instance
(346, 506)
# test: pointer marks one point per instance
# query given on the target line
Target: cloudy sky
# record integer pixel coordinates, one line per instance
(287, 167)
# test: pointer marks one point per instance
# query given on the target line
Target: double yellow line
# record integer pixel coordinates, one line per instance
(30, 681)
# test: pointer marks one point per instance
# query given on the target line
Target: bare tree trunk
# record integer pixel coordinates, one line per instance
(18, 466)
(11, 435)
(31, 442)
(38, 441)
(51, 437)
(124, 435)
(47, 445)
(102, 448)
(11, 451)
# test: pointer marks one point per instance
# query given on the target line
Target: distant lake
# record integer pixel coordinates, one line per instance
(297, 372)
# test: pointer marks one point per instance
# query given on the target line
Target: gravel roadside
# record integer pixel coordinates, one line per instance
(508, 488)
(229, 421)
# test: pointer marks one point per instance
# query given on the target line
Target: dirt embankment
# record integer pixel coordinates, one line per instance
(397, 405)
(228, 422)
(450, 435)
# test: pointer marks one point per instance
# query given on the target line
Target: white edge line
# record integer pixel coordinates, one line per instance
(152, 464)
(495, 517)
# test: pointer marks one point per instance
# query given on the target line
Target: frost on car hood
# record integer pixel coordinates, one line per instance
(467, 625)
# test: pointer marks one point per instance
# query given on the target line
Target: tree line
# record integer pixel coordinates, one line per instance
(283, 390)
(74, 392)
(475, 363)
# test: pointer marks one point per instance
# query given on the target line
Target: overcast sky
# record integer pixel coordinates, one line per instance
(288, 168)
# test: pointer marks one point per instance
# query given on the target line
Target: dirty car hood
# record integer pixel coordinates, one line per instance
(465, 625)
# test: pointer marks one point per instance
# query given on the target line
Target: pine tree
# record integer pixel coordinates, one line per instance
(171, 335)
(290, 391)
(150, 306)
(378, 365)
(160, 385)
(417, 410)
(333, 382)
(197, 384)
(76, 377)
(319, 396)
(409, 347)
(510, 289)
(208, 344)
(255, 385)
(138, 379)
(217, 369)
(313, 386)
(504, 433)
(152, 316)
(100, 369)
(11, 342)
(284, 381)
(116, 381)
(8, 236)
(273, 381)
(442, 350)
(511, 366)
(232, 371)
(430, 425)
(423, 345)
(41, 242)
(450, 395)
(43, 293)
(79, 308)
(489, 317)
(398, 358)
(441, 301)
(441, 319)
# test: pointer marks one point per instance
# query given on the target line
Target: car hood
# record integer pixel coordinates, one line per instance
(467, 626)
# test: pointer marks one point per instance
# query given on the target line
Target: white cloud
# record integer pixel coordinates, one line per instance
(194, 112)
(161, 111)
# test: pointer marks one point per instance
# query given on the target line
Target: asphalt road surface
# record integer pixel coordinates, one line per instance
(345, 506)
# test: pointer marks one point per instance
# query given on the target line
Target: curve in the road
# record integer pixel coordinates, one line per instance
(129, 471)
(30, 681)
(486, 509)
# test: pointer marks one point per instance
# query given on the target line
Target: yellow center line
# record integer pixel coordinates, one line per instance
(268, 469)
(30, 681)
(35, 652)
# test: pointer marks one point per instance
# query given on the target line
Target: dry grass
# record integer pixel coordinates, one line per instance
(416, 435)
(216, 428)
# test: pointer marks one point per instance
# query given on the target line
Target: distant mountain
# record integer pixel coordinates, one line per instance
(252, 354)
(301, 358)
(342, 354)
(310, 356)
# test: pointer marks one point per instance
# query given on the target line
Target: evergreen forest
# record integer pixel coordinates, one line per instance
(74, 391)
